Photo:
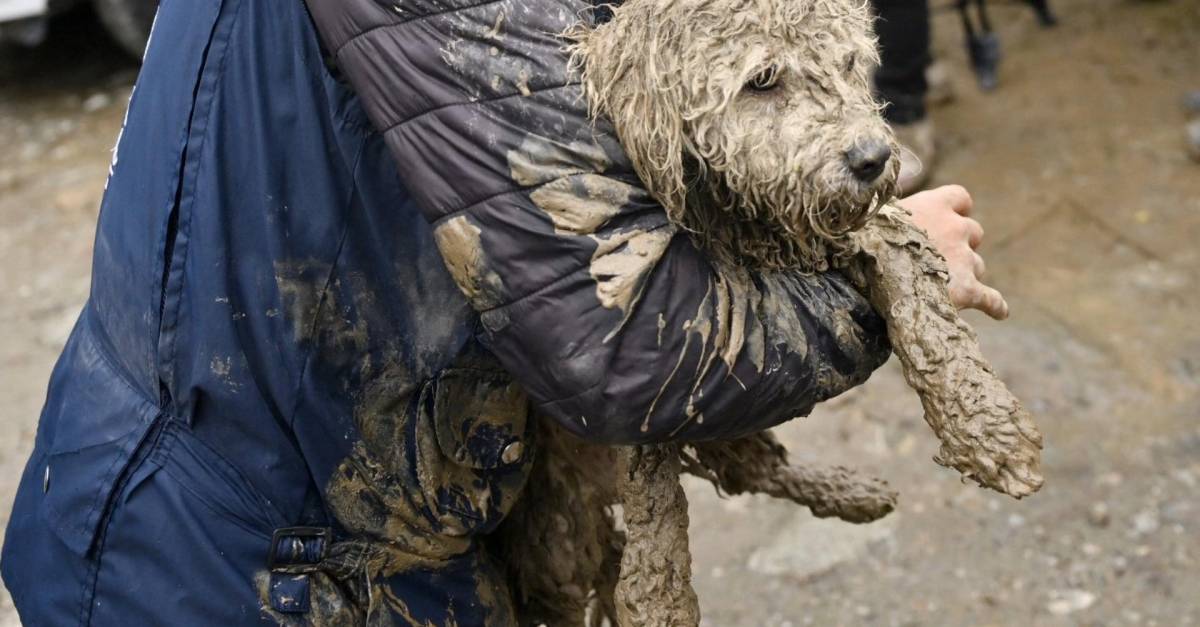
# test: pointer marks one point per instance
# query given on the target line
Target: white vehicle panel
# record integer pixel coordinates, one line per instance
(18, 9)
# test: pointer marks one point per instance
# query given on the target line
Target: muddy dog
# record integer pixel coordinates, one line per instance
(753, 123)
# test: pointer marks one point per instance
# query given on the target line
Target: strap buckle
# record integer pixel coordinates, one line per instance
(298, 550)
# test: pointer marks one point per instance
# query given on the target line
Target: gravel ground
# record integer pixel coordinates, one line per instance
(1081, 176)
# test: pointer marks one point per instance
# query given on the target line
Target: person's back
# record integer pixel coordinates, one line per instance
(208, 399)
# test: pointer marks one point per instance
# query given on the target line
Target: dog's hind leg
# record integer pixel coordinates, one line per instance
(759, 464)
(655, 587)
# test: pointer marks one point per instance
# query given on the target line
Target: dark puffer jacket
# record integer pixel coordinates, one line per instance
(277, 405)
(603, 311)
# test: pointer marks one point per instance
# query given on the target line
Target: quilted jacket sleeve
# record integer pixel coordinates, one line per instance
(612, 320)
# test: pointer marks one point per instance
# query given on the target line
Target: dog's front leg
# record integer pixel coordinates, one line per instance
(986, 434)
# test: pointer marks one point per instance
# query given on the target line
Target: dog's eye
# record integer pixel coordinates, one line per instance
(851, 62)
(765, 80)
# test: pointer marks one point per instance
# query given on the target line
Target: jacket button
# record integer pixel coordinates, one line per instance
(512, 452)
(46, 480)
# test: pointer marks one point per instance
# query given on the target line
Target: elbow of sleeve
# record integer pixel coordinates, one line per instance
(601, 419)
(600, 400)
(605, 416)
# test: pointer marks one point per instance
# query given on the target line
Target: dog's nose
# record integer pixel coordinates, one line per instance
(867, 160)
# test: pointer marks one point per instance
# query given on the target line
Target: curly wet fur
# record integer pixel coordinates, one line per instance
(761, 179)
(758, 177)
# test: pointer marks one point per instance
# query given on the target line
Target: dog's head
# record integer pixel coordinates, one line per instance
(752, 121)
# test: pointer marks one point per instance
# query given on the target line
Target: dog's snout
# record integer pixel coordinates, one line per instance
(868, 160)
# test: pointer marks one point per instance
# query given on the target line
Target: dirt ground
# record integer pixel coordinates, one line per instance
(1093, 217)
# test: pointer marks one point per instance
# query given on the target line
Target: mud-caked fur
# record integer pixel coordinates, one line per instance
(738, 114)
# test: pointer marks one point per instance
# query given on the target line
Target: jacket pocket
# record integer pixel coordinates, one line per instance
(93, 424)
(473, 447)
(210, 480)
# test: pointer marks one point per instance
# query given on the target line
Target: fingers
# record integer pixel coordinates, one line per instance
(974, 232)
(989, 301)
(978, 265)
(958, 197)
(949, 235)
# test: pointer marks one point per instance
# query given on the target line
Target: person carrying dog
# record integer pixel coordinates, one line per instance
(329, 300)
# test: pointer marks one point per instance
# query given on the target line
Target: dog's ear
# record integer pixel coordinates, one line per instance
(632, 77)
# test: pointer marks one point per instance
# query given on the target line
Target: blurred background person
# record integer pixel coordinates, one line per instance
(900, 82)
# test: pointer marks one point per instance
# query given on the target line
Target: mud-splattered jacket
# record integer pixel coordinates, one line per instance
(346, 251)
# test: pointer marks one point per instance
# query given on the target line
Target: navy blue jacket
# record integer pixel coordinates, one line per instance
(343, 258)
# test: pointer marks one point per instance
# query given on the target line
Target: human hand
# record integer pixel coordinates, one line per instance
(943, 214)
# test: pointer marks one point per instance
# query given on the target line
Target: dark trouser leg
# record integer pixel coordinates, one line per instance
(903, 30)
